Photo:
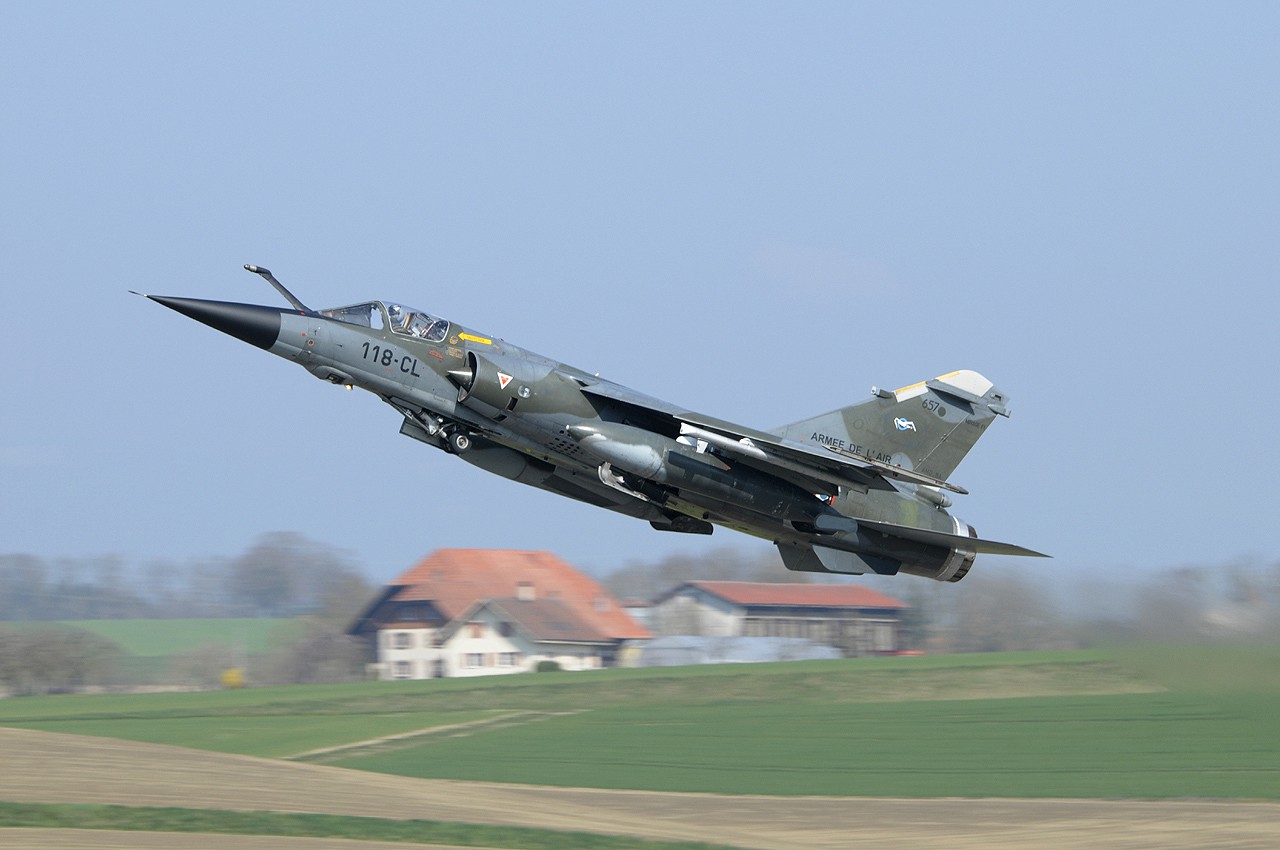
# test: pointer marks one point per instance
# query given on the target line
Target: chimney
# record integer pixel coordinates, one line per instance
(525, 591)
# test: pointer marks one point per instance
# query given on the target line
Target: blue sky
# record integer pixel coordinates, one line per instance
(756, 210)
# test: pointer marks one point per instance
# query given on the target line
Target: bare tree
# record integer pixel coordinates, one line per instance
(999, 610)
(1171, 605)
(324, 654)
(647, 579)
(920, 619)
(203, 667)
(47, 659)
(23, 587)
(285, 573)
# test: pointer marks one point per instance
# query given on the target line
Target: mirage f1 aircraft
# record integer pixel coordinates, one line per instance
(858, 490)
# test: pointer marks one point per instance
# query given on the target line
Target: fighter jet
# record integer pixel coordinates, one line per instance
(862, 489)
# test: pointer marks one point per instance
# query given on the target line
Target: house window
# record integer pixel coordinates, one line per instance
(402, 640)
(476, 630)
(402, 670)
(475, 659)
(508, 659)
(412, 611)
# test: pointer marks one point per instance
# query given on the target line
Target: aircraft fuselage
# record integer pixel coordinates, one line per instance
(867, 500)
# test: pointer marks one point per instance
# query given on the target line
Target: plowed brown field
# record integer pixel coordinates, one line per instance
(41, 767)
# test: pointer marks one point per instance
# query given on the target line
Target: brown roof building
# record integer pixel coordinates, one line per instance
(483, 611)
(855, 619)
(769, 594)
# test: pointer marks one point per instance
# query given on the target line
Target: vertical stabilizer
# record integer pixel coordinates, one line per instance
(928, 427)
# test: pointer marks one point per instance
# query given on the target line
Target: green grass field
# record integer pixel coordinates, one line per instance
(271, 735)
(164, 638)
(1150, 723)
(177, 820)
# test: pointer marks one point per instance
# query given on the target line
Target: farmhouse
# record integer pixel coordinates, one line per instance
(856, 620)
(479, 612)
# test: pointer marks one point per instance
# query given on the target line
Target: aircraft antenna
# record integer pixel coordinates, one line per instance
(271, 279)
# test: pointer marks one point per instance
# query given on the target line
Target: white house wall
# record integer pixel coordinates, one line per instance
(412, 653)
(479, 648)
(407, 654)
(693, 611)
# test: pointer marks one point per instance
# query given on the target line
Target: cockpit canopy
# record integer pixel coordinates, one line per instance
(397, 317)
(365, 315)
(406, 320)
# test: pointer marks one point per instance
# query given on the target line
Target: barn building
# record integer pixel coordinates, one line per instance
(854, 619)
(480, 612)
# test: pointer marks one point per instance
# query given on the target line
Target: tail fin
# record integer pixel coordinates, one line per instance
(928, 427)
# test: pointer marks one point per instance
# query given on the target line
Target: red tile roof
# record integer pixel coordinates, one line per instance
(455, 579)
(542, 620)
(799, 595)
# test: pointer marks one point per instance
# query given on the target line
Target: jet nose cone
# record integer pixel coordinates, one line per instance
(251, 323)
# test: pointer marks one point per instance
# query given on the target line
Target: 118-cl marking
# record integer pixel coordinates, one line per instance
(387, 357)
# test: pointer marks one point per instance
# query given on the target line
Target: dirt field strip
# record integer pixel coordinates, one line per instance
(51, 768)
(418, 736)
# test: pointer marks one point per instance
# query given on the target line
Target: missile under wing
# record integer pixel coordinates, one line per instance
(865, 488)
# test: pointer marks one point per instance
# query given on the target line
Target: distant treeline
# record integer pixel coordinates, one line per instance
(41, 658)
(280, 575)
(1024, 604)
(1002, 604)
